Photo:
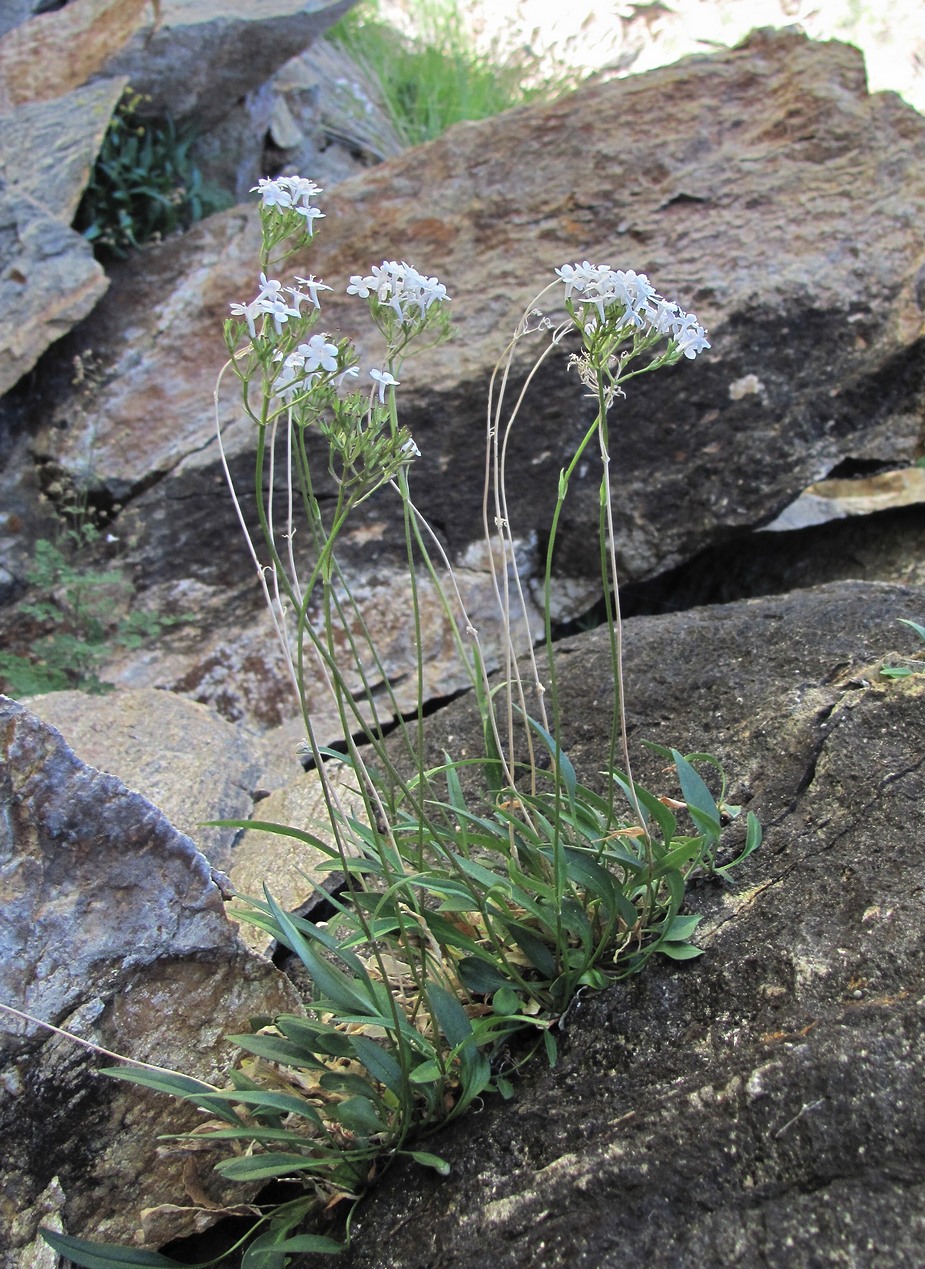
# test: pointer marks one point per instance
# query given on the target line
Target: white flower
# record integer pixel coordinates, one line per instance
(410, 449)
(270, 289)
(400, 287)
(272, 193)
(319, 354)
(626, 298)
(360, 286)
(312, 286)
(385, 380)
(279, 310)
(693, 341)
(249, 312)
(301, 189)
(309, 213)
(577, 276)
(292, 380)
(350, 372)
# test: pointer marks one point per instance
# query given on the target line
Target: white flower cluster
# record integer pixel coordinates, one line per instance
(289, 193)
(272, 302)
(302, 367)
(636, 302)
(399, 287)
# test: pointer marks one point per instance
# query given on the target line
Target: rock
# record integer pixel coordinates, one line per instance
(112, 928)
(51, 54)
(291, 870)
(14, 12)
(228, 655)
(49, 279)
(198, 57)
(808, 287)
(835, 499)
(759, 1105)
(182, 757)
(191, 58)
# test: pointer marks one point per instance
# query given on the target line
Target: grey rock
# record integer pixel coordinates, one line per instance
(760, 1105)
(13, 12)
(49, 279)
(111, 928)
(196, 58)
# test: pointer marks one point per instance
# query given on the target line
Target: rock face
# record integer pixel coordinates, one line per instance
(760, 1105)
(193, 58)
(53, 53)
(184, 758)
(196, 58)
(723, 177)
(49, 279)
(112, 928)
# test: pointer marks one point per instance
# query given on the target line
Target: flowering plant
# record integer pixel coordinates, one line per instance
(470, 916)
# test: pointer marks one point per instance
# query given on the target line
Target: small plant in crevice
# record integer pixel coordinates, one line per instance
(77, 617)
(481, 893)
(911, 665)
(144, 184)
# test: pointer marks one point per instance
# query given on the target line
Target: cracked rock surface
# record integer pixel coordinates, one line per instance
(761, 1105)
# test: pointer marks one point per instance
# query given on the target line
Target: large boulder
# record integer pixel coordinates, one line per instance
(113, 929)
(49, 279)
(761, 1105)
(724, 177)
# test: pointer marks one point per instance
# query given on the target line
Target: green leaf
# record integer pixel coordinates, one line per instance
(451, 1017)
(380, 1064)
(359, 1115)
(480, 977)
(331, 982)
(680, 928)
(109, 1255)
(283, 830)
(694, 791)
(312, 1242)
(276, 1049)
(919, 630)
(261, 1167)
(426, 1073)
(552, 1049)
(177, 1085)
(560, 759)
(285, 1103)
(679, 951)
(505, 1001)
(429, 1161)
(649, 803)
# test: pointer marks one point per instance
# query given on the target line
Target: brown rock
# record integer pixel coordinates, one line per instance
(190, 57)
(184, 758)
(724, 177)
(53, 53)
(492, 207)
